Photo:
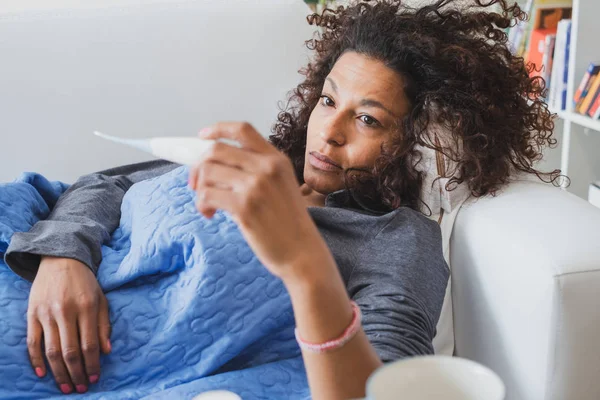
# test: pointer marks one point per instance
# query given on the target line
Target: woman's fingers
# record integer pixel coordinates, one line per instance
(193, 177)
(210, 198)
(71, 352)
(230, 156)
(241, 132)
(218, 176)
(221, 176)
(34, 345)
(104, 327)
(234, 157)
(90, 347)
(55, 357)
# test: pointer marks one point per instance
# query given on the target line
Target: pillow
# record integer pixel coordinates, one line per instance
(442, 206)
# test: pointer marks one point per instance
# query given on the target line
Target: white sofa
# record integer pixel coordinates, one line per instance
(526, 291)
(525, 264)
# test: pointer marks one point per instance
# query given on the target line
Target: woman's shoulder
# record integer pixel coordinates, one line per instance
(405, 258)
(406, 221)
(409, 239)
(403, 224)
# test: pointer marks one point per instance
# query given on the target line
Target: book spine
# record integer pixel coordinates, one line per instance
(587, 88)
(557, 68)
(587, 102)
(565, 77)
(524, 30)
(517, 33)
(595, 107)
(584, 83)
(597, 114)
(547, 58)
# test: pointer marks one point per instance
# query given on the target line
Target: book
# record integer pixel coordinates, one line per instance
(538, 51)
(590, 100)
(548, 58)
(556, 65)
(587, 102)
(594, 110)
(565, 77)
(597, 113)
(545, 14)
(558, 85)
(584, 85)
(516, 35)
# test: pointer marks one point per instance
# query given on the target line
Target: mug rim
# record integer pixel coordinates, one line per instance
(436, 359)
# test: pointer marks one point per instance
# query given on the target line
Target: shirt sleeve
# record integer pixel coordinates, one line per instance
(399, 283)
(82, 220)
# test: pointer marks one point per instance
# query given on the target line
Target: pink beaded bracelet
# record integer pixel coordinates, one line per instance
(348, 334)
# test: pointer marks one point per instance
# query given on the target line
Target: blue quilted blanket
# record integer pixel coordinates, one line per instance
(192, 309)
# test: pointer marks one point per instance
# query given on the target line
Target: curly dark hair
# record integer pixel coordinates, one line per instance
(460, 76)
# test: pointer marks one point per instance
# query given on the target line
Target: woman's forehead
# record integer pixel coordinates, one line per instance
(363, 77)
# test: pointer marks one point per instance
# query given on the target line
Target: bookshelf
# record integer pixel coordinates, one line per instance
(578, 155)
(578, 119)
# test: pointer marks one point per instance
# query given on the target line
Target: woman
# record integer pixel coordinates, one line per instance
(340, 171)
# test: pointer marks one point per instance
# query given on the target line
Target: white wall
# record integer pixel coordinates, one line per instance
(156, 70)
(13, 6)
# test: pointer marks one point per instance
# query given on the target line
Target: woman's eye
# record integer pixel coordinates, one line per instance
(368, 120)
(326, 101)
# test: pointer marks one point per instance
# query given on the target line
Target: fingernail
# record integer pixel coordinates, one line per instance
(94, 378)
(66, 389)
(204, 131)
(81, 388)
(39, 372)
(108, 346)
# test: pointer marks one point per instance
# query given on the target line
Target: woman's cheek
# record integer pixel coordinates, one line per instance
(312, 129)
(365, 155)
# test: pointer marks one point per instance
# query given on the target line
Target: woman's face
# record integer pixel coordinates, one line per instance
(362, 102)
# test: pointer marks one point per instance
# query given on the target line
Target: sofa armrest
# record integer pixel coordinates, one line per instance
(526, 290)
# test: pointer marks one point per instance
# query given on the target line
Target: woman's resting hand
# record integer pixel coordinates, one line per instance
(69, 312)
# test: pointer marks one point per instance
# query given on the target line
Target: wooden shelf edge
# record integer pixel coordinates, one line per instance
(581, 120)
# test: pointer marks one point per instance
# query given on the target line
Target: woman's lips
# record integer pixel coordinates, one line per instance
(324, 163)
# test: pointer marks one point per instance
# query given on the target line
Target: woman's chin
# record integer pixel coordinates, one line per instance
(321, 184)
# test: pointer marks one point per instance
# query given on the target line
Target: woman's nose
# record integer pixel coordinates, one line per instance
(333, 133)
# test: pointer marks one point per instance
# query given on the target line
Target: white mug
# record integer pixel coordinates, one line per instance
(217, 395)
(434, 378)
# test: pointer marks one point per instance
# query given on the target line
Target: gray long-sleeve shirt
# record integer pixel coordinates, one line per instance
(392, 263)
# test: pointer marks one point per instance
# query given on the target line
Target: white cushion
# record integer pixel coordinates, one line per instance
(526, 283)
(442, 206)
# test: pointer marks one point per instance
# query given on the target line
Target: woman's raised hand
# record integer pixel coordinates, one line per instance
(256, 184)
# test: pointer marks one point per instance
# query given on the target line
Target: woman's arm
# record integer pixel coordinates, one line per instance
(67, 309)
(399, 281)
(256, 184)
(82, 220)
(322, 311)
